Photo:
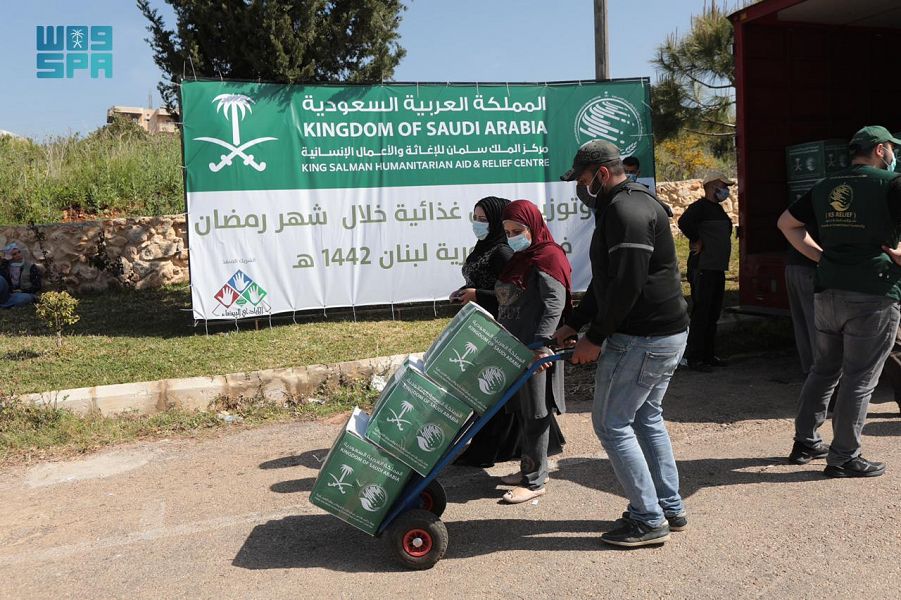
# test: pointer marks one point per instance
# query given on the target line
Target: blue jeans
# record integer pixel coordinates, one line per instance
(632, 376)
(854, 335)
(11, 300)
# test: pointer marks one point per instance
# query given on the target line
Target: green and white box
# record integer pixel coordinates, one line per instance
(359, 482)
(452, 327)
(477, 360)
(416, 420)
(796, 189)
(815, 160)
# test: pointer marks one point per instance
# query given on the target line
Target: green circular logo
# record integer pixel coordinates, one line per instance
(612, 119)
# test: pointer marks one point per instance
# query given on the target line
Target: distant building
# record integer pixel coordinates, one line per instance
(152, 120)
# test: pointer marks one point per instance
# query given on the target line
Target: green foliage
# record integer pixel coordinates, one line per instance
(687, 156)
(284, 41)
(697, 77)
(57, 311)
(117, 170)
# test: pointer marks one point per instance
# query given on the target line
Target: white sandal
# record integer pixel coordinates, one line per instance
(519, 495)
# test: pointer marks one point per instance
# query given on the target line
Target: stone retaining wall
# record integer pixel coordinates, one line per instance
(149, 252)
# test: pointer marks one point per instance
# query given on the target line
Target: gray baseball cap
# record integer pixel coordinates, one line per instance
(591, 153)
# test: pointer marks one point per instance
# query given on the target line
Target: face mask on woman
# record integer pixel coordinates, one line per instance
(480, 228)
(519, 242)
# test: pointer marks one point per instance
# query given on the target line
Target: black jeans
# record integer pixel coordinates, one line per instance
(707, 291)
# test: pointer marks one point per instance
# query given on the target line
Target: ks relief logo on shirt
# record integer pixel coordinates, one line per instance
(610, 118)
(230, 105)
(840, 199)
(241, 297)
(63, 51)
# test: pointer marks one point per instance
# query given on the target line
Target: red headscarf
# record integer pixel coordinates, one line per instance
(544, 253)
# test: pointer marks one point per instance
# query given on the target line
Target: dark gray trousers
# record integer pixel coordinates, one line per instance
(854, 334)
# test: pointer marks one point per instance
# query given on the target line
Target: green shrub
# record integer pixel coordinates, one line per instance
(57, 311)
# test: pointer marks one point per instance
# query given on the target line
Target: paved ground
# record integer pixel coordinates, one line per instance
(229, 517)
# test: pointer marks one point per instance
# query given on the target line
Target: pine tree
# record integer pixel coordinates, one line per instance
(284, 41)
(696, 89)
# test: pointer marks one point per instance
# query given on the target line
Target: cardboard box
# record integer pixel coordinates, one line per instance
(477, 360)
(796, 189)
(415, 419)
(359, 482)
(815, 160)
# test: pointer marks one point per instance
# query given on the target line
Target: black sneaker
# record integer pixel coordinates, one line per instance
(856, 467)
(676, 523)
(801, 454)
(632, 534)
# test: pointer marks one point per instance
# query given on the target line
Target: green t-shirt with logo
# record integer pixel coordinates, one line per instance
(857, 211)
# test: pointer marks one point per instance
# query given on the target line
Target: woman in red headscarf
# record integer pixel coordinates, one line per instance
(534, 293)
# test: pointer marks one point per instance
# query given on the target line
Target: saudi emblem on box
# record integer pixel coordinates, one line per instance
(476, 359)
(359, 482)
(415, 419)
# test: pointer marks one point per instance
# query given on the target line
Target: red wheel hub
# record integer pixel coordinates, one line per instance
(427, 501)
(417, 542)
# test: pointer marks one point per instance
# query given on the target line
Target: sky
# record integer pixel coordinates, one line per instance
(445, 40)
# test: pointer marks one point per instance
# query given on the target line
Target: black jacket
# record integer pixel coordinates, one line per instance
(635, 287)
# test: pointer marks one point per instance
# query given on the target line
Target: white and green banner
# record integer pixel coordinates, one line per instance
(303, 197)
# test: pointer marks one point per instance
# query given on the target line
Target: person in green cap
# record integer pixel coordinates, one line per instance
(857, 212)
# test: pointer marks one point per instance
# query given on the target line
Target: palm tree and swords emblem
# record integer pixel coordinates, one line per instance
(460, 360)
(398, 418)
(230, 104)
(339, 482)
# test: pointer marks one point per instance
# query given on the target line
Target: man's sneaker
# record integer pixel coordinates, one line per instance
(676, 523)
(716, 361)
(856, 467)
(632, 534)
(801, 454)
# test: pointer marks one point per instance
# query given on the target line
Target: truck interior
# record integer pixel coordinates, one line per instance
(806, 70)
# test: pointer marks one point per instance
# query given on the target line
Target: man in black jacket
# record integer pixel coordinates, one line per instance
(637, 323)
(709, 231)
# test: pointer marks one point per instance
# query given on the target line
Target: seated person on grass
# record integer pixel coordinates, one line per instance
(20, 280)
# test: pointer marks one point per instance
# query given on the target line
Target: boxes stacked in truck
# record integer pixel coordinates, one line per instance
(815, 160)
(359, 482)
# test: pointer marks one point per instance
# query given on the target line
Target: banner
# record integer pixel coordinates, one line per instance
(303, 197)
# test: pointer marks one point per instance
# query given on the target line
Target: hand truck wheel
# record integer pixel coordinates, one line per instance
(433, 498)
(418, 539)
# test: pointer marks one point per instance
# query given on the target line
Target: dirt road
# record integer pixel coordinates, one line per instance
(229, 517)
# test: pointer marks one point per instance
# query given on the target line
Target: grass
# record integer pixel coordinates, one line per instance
(39, 432)
(118, 170)
(126, 336)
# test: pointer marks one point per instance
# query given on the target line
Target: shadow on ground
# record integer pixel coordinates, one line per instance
(320, 541)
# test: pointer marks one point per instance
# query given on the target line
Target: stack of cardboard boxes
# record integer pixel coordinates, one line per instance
(418, 416)
(808, 163)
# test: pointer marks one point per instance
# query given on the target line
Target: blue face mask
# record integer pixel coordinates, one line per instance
(891, 165)
(480, 229)
(633, 177)
(721, 194)
(519, 242)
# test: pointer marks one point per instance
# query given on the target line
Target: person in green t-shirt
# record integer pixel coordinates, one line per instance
(857, 212)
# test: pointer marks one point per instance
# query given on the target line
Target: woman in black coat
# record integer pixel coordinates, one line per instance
(498, 441)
